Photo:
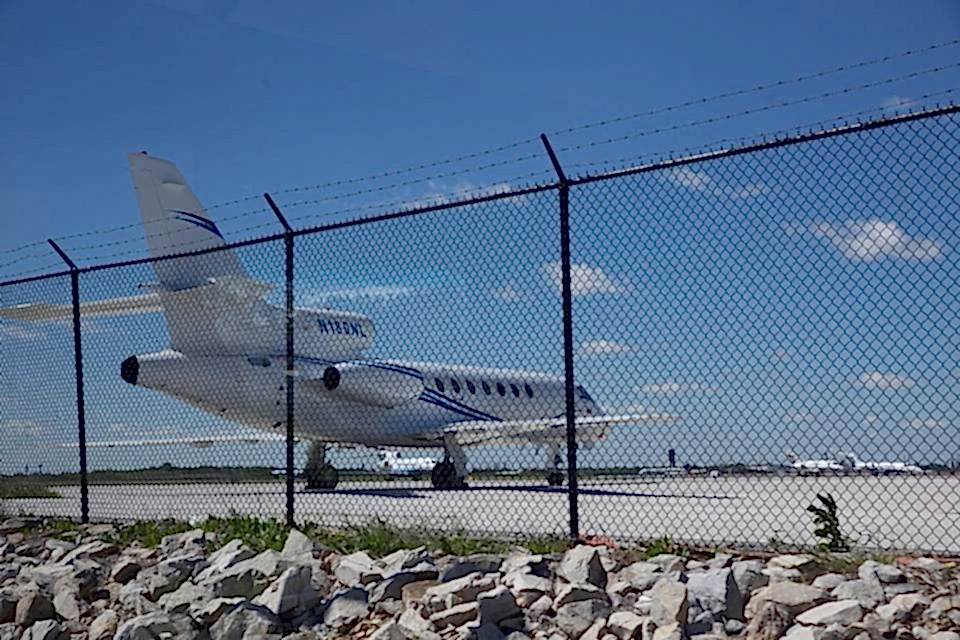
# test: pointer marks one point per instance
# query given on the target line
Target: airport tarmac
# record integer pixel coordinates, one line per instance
(911, 512)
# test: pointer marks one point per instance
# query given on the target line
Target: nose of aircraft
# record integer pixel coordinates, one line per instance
(129, 370)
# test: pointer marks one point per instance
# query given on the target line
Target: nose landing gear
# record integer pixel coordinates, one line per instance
(318, 473)
(555, 475)
(451, 472)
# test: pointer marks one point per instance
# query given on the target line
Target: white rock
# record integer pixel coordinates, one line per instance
(187, 596)
(103, 626)
(583, 564)
(32, 607)
(945, 635)
(668, 562)
(290, 594)
(748, 574)
(66, 602)
(868, 593)
(464, 589)
(871, 571)
(794, 598)
(568, 593)
(829, 581)
(212, 610)
(904, 607)
(356, 569)
(670, 603)
(95, 550)
(801, 632)
(124, 570)
(44, 630)
(626, 625)
(779, 574)
(389, 631)
(455, 616)
(844, 612)
(155, 625)
(477, 563)
(792, 561)
(575, 618)
(245, 621)
(497, 606)
(669, 632)
(226, 557)
(716, 591)
(346, 607)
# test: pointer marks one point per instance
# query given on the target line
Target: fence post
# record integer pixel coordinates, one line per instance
(78, 369)
(573, 493)
(289, 384)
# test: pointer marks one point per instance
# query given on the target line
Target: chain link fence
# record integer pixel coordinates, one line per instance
(724, 337)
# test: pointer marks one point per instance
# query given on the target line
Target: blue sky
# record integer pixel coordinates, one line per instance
(247, 98)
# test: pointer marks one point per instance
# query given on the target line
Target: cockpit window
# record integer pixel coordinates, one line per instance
(472, 388)
(516, 392)
(439, 384)
(486, 387)
(501, 389)
(455, 385)
(529, 390)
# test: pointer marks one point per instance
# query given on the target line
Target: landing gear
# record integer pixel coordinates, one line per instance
(318, 473)
(451, 472)
(554, 473)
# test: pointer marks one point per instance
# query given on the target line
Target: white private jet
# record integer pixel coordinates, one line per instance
(396, 465)
(813, 467)
(879, 468)
(226, 356)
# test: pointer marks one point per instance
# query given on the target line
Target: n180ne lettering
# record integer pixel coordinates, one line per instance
(341, 328)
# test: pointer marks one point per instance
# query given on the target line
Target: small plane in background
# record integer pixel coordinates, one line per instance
(813, 466)
(396, 465)
(226, 355)
(851, 461)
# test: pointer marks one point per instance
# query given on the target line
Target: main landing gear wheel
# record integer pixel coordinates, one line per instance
(319, 473)
(555, 478)
(444, 476)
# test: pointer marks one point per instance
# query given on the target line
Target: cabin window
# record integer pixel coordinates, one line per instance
(439, 384)
(529, 390)
(472, 388)
(501, 389)
(455, 385)
(486, 387)
(516, 392)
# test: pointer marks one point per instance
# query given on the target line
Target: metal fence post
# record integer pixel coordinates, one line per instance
(568, 365)
(78, 368)
(289, 384)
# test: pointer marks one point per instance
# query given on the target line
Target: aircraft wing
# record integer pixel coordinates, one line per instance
(41, 311)
(589, 428)
(222, 291)
(200, 442)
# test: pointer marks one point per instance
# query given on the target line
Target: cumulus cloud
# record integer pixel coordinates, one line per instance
(690, 179)
(674, 388)
(507, 293)
(919, 423)
(700, 181)
(18, 332)
(882, 381)
(369, 292)
(602, 347)
(584, 279)
(875, 239)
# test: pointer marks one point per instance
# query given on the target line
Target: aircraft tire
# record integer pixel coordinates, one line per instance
(555, 478)
(322, 477)
(444, 476)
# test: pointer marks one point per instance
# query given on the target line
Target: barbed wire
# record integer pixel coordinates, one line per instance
(768, 107)
(590, 125)
(738, 140)
(759, 88)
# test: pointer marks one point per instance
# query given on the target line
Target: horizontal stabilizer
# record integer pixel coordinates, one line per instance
(200, 443)
(589, 428)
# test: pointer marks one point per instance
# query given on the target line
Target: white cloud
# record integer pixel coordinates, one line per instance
(584, 279)
(18, 332)
(870, 419)
(440, 193)
(882, 381)
(674, 388)
(507, 293)
(875, 239)
(752, 190)
(897, 103)
(602, 347)
(686, 177)
(369, 292)
(922, 423)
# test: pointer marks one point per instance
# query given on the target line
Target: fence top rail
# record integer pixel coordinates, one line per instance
(762, 145)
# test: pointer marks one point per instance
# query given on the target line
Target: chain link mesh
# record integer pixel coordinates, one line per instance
(750, 330)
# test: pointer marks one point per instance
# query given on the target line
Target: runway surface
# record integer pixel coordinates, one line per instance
(911, 513)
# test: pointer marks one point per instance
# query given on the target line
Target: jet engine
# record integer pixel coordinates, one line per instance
(371, 384)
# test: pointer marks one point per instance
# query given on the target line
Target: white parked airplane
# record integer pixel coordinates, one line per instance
(813, 467)
(227, 345)
(851, 461)
(396, 465)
